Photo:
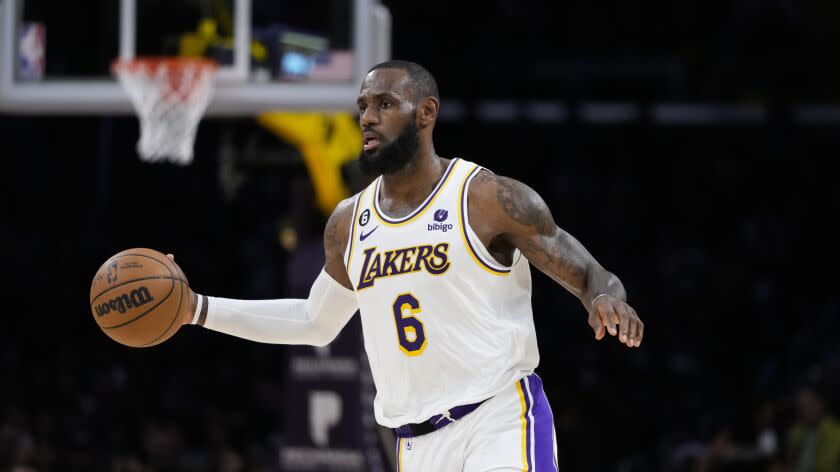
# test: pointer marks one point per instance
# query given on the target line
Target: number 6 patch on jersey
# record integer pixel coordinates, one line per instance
(410, 332)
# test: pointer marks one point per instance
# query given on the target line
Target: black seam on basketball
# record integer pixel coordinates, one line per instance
(125, 255)
(171, 289)
(155, 277)
(177, 312)
(130, 254)
(138, 255)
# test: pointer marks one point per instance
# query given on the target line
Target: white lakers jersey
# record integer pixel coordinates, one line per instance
(444, 323)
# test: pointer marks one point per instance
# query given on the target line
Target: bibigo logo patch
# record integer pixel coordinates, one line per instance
(439, 225)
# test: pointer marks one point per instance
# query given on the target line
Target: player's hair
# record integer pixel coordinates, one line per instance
(421, 82)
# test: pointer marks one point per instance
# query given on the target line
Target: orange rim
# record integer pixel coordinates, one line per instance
(171, 63)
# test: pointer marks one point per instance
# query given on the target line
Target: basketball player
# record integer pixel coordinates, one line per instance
(435, 254)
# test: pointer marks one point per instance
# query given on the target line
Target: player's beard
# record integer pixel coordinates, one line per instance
(394, 156)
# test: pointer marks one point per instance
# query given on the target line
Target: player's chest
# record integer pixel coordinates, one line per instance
(424, 246)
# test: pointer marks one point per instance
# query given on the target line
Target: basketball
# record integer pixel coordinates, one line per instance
(137, 296)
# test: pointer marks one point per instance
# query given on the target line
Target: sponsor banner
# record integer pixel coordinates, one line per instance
(329, 408)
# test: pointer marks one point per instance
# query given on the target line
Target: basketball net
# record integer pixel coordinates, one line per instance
(170, 96)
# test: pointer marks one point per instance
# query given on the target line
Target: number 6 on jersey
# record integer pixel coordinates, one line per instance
(410, 332)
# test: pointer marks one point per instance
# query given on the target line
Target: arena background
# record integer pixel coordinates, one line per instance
(691, 146)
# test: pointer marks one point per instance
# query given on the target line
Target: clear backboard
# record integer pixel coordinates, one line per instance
(55, 57)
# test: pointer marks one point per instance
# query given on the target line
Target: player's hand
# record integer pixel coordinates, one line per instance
(609, 314)
(187, 312)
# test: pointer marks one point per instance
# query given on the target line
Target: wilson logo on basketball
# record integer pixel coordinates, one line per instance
(137, 297)
(112, 272)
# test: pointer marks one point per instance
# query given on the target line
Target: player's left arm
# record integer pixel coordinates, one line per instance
(512, 214)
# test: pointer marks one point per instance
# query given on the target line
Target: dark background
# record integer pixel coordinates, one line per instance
(721, 231)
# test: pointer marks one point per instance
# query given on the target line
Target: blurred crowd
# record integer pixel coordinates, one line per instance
(135, 415)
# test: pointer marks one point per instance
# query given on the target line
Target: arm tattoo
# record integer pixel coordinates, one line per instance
(547, 247)
(555, 256)
(334, 239)
(523, 205)
(331, 233)
(550, 249)
(335, 242)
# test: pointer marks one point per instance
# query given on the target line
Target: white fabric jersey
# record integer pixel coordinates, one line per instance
(444, 323)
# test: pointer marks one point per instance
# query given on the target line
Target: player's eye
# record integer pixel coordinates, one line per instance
(386, 104)
(362, 108)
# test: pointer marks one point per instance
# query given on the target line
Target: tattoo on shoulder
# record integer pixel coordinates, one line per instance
(334, 237)
(523, 204)
(331, 232)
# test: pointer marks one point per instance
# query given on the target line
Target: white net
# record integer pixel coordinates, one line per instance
(170, 97)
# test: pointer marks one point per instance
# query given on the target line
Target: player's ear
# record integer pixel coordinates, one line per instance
(427, 111)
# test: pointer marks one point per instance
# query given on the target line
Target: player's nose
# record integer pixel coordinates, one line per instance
(368, 117)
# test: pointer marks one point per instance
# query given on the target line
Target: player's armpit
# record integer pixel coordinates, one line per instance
(336, 234)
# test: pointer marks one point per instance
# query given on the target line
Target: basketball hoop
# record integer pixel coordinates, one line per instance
(170, 95)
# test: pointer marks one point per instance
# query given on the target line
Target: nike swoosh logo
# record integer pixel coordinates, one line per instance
(363, 236)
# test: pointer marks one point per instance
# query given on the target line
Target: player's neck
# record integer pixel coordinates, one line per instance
(413, 183)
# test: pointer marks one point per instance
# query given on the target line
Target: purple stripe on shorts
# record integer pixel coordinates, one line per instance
(543, 426)
(398, 454)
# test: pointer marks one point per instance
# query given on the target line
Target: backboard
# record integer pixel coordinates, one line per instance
(274, 54)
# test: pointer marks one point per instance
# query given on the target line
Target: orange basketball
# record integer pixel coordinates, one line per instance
(137, 296)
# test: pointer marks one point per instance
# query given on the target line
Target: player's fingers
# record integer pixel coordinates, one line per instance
(600, 332)
(640, 328)
(594, 322)
(171, 256)
(624, 324)
(605, 311)
(632, 330)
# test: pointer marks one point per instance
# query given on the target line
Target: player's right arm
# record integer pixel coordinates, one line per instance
(314, 321)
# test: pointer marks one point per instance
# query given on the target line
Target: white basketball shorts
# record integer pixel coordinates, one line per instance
(512, 431)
